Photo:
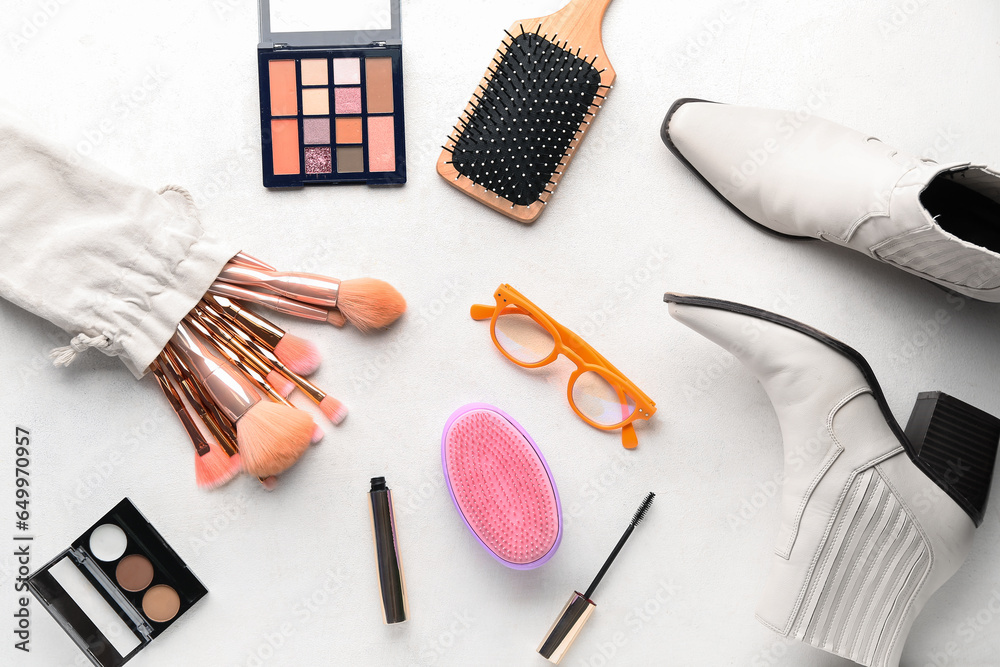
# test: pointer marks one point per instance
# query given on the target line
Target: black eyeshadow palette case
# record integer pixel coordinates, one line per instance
(140, 586)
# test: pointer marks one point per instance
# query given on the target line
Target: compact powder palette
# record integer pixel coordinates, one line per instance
(117, 587)
(331, 92)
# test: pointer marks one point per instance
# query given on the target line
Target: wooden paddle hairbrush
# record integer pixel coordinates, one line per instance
(513, 142)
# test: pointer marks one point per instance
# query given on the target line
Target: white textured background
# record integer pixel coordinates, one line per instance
(167, 92)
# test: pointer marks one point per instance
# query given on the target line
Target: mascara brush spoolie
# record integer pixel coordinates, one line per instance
(574, 615)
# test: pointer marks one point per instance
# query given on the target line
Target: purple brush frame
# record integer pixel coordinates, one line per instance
(555, 491)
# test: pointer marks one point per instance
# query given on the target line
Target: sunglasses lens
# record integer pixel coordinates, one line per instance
(522, 337)
(596, 398)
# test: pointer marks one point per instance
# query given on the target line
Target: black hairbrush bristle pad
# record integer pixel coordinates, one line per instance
(525, 119)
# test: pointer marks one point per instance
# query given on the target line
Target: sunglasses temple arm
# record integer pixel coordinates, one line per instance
(629, 438)
(481, 312)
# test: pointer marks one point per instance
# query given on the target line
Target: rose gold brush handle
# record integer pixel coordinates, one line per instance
(194, 388)
(307, 287)
(243, 259)
(211, 422)
(227, 428)
(243, 353)
(272, 301)
(257, 326)
(222, 335)
(227, 387)
(246, 368)
(200, 444)
(246, 342)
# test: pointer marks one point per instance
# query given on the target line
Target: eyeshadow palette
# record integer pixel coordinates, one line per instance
(117, 587)
(331, 97)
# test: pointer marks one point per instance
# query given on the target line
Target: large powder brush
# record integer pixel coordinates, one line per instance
(526, 119)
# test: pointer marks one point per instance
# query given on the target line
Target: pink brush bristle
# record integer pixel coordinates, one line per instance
(317, 435)
(280, 383)
(215, 468)
(501, 486)
(334, 410)
(298, 354)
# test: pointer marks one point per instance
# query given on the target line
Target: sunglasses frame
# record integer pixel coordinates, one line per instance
(577, 350)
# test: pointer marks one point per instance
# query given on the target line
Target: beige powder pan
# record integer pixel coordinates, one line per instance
(161, 603)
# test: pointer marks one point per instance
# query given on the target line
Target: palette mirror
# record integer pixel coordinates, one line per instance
(320, 15)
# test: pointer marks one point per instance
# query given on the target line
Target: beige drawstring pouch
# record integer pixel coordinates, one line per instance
(114, 264)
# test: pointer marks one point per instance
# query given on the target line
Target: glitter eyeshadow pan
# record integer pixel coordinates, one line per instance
(331, 100)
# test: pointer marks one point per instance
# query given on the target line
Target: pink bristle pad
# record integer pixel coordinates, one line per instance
(501, 487)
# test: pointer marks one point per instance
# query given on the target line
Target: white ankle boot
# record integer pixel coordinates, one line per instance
(817, 179)
(873, 520)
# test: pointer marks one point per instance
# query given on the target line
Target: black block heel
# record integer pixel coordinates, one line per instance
(957, 443)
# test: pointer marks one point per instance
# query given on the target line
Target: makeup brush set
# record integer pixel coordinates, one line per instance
(234, 370)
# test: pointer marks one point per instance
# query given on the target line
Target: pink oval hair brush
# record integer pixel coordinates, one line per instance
(297, 353)
(367, 303)
(501, 486)
(271, 436)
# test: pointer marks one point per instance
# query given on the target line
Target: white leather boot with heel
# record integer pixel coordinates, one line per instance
(874, 519)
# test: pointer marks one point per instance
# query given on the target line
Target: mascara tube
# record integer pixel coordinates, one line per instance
(392, 586)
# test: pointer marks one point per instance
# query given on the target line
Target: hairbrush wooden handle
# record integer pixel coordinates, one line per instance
(580, 23)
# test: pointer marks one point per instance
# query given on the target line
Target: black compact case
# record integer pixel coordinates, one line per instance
(144, 612)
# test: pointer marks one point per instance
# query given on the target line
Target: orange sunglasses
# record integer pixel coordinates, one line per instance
(597, 391)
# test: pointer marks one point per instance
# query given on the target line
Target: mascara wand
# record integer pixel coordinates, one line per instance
(577, 611)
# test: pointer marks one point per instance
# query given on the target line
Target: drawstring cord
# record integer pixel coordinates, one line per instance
(64, 356)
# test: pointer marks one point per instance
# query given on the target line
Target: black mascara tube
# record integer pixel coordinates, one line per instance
(392, 585)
